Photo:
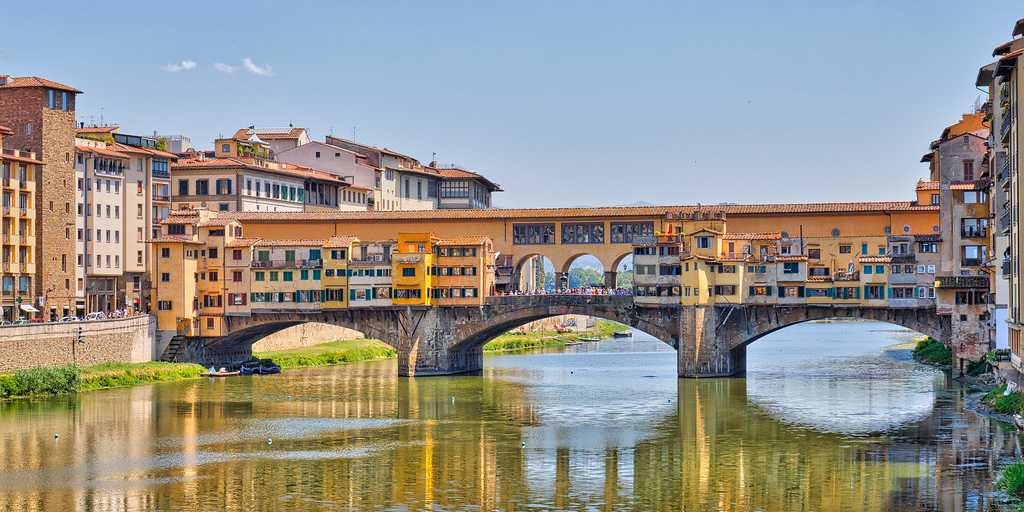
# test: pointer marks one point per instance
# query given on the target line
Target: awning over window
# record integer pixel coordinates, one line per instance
(28, 309)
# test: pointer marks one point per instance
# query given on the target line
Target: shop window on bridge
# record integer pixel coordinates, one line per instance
(401, 293)
(757, 269)
(644, 251)
(668, 250)
(703, 242)
(669, 270)
(819, 271)
(818, 292)
(930, 247)
(814, 254)
(164, 305)
(727, 269)
(583, 233)
(847, 292)
(845, 249)
(533, 234)
(760, 291)
(874, 292)
(791, 291)
(725, 289)
(791, 268)
(902, 292)
(629, 232)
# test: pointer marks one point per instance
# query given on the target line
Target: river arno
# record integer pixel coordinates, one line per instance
(826, 419)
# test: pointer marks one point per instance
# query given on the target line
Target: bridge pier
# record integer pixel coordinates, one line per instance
(702, 351)
(428, 345)
(611, 279)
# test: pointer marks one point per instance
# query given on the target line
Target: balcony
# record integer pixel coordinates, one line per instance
(1004, 126)
(971, 262)
(287, 264)
(1005, 222)
(372, 259)
(117, 171)
(162, 198)
(961, 282)
(1004, 172)
(161, 174)
(1007, 267)
(974, 232)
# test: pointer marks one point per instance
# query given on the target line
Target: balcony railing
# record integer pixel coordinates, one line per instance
(974, 232)
(1005, 222)
(161, 197)
(961, 281)
(972, 262)
(1004, 127)
(1007, 267)
(287, 263)
(109, 172)
(372, 259)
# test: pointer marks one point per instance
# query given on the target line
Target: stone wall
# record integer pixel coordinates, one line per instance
(126, 340)
(304, 335)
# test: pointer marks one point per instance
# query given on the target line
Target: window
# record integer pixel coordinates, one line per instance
(975, 197)
(259, 276)
(935, 199)
(930, 247)
(163, 305)
(287, 275)
(165, 252)
(583, 233)
(273, 276)
(182, 187)
(845, 249)
(629, 232)
(814, 254)
(236, 276)
(874, 292)
(864, 248)
(703, 242)
(202, 187)
(868, 269)
(968, 168)
(165, 277)
(236, 254)
(528, 234)
(879, 269)
(213, 253)
(791, 268)
(972, 255)
(213, 276)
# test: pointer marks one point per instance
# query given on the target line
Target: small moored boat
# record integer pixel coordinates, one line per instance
(223, 372)
(588, 338)
(623, 334)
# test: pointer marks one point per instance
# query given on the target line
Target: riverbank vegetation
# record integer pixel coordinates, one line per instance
(512, 341)
(330, 353)
(72, 378)
(930, 351)
(1003, 403)
(1012, 482)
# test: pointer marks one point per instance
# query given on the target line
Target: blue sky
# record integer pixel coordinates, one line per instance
(563, 103)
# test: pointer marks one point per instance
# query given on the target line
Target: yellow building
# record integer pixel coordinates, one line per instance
(337, 254)
(286, 275)
(463, 271)
(412, 267)
(18, 232)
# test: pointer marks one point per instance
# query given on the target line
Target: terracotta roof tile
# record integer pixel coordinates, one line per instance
(790, 257)
(767, 235)
(105, 151)
(340, 241)
(145, 151)
(5, 130)
(819, 279)
(176, 238)
(111, 128)
(290, 243)
(465, 240)
(625, 212)
(242, 242)
(35, 81)
(270, 167)
(875, 259)
(956, 185)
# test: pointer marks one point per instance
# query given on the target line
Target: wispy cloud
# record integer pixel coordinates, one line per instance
(224, 68)
(251, 67)
(185, 65)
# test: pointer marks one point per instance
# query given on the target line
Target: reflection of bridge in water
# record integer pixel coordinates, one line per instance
(709, 449)
(710, 340)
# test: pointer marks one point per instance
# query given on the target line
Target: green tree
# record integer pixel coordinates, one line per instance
(624, 279)
(582, 277)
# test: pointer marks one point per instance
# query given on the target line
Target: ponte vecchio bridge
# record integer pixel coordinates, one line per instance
(710, 337)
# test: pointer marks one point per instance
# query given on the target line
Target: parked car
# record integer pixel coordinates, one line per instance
(70, 319)
(22, 321)
(95, 315)
(5, 323)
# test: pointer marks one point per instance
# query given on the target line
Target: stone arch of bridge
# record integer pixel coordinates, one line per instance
(751, 323)
(475, 338)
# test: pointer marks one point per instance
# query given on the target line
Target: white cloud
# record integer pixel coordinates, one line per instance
(224, 68)
(251, 67)
(185, 65)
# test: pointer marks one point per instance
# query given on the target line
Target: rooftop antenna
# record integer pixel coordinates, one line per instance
(353, 133)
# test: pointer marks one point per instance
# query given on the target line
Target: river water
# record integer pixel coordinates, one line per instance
(828, 417)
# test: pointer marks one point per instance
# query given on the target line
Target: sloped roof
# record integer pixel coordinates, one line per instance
(35, 81)
(772, 235)
(464, 240)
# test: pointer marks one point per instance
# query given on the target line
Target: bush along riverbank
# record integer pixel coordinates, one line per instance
(330, 353)
(1011, 481)
(512, 341)
(933, 352)
(61, 380)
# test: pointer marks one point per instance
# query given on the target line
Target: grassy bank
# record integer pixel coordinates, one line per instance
(72, 378)
(511, 341)
(930, 351)
(1012, 481)
(331, 353)
(1010, 404)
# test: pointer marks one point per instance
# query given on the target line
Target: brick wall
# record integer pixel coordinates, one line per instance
(52, 137)
(127, 340)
